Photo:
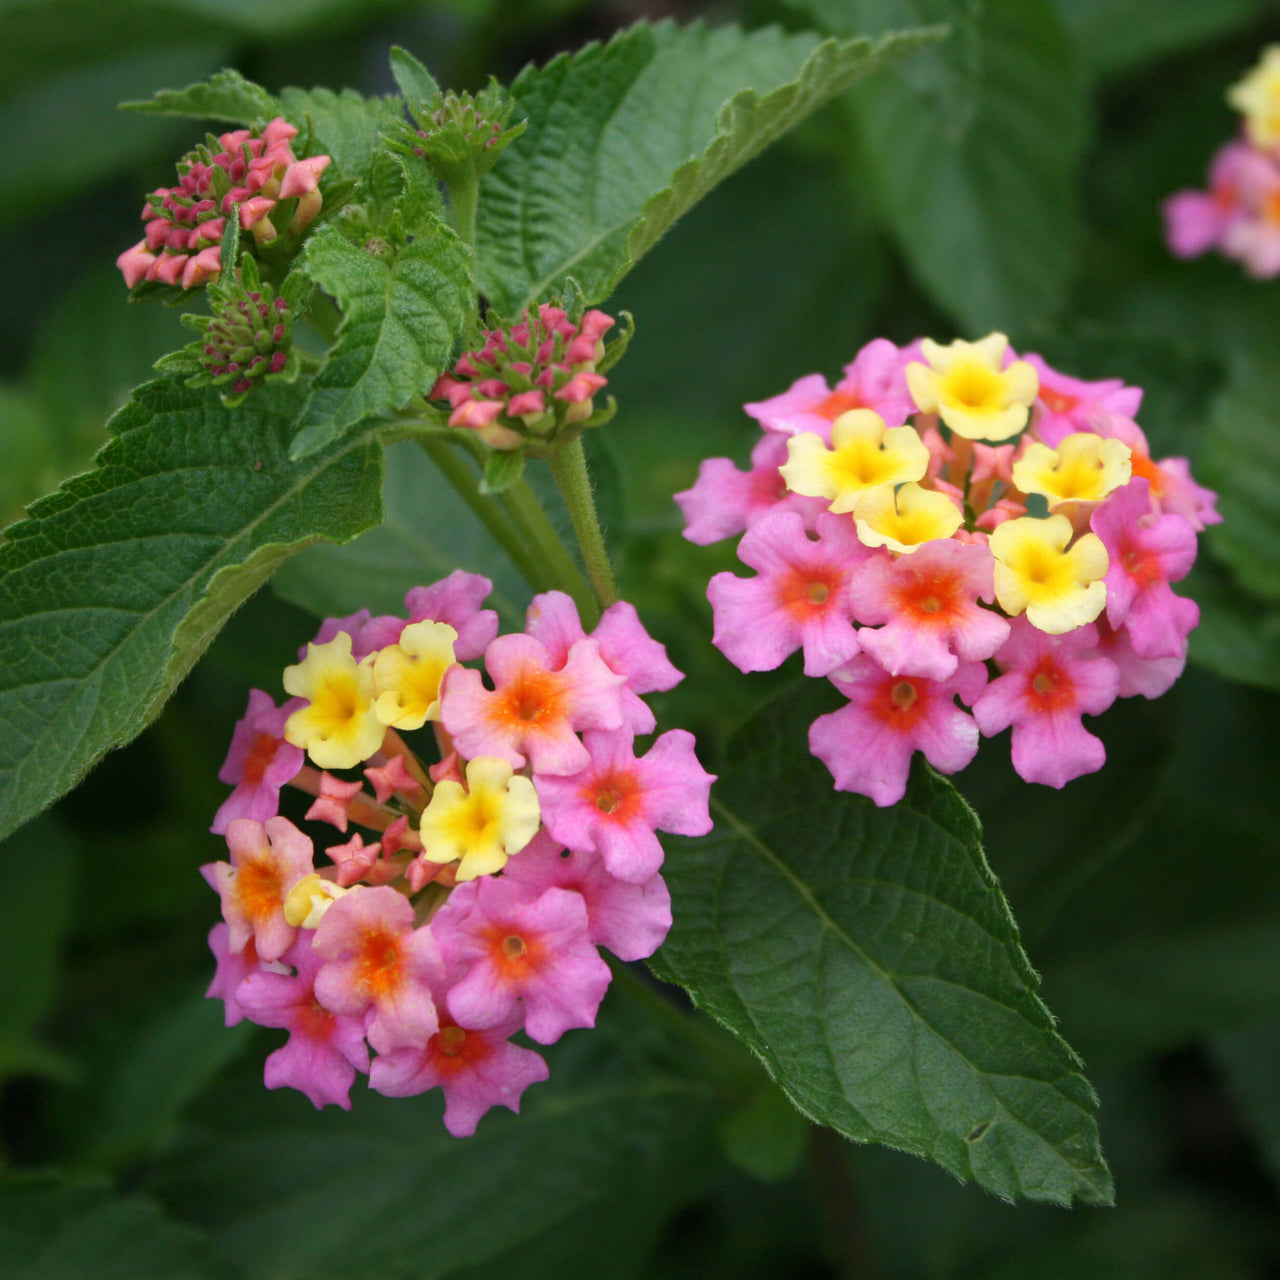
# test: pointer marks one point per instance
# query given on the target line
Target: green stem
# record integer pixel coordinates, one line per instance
(464, 197)
(569, 467)
(459, 473)
(526, 513)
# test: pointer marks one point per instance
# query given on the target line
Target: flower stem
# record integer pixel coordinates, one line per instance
(526, 513)
(459, 473)
(569, 467)
(464, 196)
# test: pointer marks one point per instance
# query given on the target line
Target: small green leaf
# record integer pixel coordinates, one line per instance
(226, 95)
(624, 138)
(502, 468)
(404, 308)
(415, 82)
(115, 584)
(869, 959)
(984, 204)
(766, 1136)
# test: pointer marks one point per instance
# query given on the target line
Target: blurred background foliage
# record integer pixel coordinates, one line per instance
(1010, 178)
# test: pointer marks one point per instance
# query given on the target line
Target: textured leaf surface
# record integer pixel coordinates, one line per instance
(985, 204)
(868, 957)
(402, 312)
(599, 1140)
(114, 585)
(1240, 458)
(624, 137)
(346, 125)
(226, 95)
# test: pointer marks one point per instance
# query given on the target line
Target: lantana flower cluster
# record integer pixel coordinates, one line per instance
(532, 384)
(961, 541)
(494, 874)
(245, 174)
(1239, 215)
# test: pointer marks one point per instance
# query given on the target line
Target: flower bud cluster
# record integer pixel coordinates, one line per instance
(1239, 215)
(244, 174)
(462, 135)
(531, 384)
(888, 523)
(497, 872)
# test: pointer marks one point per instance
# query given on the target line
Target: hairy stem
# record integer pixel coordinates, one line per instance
(459, 473)
(526, 513)
(569, 467)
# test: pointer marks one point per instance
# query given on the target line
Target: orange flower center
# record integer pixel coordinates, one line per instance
(804, 592)
(839, 402)
(378, 963)
(454, 1050)
(258, 892)
(1050, 688)
(260, 755)
(1057, 401)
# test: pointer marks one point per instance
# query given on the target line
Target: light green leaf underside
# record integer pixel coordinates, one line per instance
(401, 316)
(869, 958)
(986, 207)
(226, 95)
(116, 583)
(623, 138)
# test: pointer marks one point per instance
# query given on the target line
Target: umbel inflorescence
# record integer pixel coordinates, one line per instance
(1239, 215)
(502, 858)
(961, 541)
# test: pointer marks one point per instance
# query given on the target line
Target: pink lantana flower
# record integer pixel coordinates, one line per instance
(455, 601)
(1195, 221)
(927, 602)
(632, 920)
(874, 380)
(799, 598)
(1171, 485)
(627, 648)
(535, 710)
(324, 1050)
(514, 951)
(1145, 677)
(1065, 406)
(1146, 553)
(259, 762)
(868, 745)
(724, 501)
(267, 860)
(616, 802)
(476, 1070)
(378, 966)
(1049, 683)
(353, 624)
(233, 968)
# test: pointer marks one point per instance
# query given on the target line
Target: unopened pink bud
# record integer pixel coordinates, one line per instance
(303, 176)
(204, 266)
(595, 324)
(309, 206)
(527, 402)
(135, 262)
(278, 131)
(475, 413)
(157, 233)
(170, 268)
(254, 210)
(582, 386)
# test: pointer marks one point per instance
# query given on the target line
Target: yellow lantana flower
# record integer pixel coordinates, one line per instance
(338, 728)
(1257, 98)
(495, 816)
(964, 384)
(407, 675)
(864, 455)
(1083, 468)
(1059, 588)
(907, 519)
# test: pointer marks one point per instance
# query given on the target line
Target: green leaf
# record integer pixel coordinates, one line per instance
(1118, 36)
(1238, 636)
(585, 1143)
(985, 207)
(1240, 458)
(624, 138)
(766, 1136)
(1249, 1060)
(226, 95)
(404, 308)
(345, 125)
(414, 81)
(502, 468)
(115, 584)
(868, 958)
(50, 1231)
